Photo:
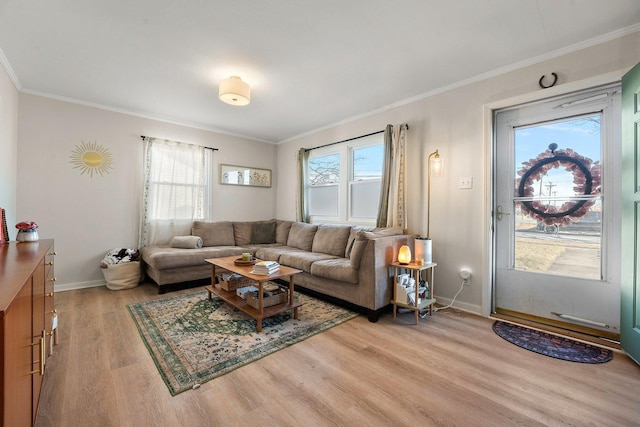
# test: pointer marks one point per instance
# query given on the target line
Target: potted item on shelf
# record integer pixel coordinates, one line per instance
(27, 231)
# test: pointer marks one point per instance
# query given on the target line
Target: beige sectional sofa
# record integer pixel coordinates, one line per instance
(349, 263)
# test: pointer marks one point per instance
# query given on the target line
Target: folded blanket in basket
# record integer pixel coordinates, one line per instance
(186, 242)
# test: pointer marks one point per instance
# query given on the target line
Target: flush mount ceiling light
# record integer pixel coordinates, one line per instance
(234, 91)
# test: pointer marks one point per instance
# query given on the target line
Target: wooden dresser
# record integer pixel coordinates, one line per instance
(26, 327)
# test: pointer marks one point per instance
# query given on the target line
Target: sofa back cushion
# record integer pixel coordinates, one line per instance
(263, 232)
(361, 239)
(331, 239)
(352, 238)
(282, 231)
(214, 233)
(301, 235)
(358, 247)
(242, 233)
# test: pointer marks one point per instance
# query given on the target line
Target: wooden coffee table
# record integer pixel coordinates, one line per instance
(230, 297)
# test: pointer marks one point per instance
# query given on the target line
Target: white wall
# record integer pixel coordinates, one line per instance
(88, 216)
(454, 122)
(8, 149)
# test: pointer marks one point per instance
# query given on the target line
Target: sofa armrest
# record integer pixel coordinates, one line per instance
(375, 274)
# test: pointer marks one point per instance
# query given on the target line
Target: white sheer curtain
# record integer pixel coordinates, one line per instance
(393, 202)
(176, 189)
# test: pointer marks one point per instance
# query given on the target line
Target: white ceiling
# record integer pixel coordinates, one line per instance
(310, 64)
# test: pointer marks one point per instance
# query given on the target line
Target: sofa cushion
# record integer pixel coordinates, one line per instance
(263, 232)
(163, 257)
(272, 253)
(301, 235)
(214, 233)
(331, 239)
(335, 269)
(254, 248)
(242, 233)
(302, 260)
(352, 238)
(359, 244)
(282, 231)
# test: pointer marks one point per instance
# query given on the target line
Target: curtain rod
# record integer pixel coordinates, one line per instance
(350, 139)
(206, 148)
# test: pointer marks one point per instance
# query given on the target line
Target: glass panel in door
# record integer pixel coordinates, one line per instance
(557, 203)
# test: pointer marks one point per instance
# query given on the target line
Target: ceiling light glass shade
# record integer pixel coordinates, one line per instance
(234, 91)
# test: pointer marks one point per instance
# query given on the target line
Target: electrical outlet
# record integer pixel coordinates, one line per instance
(465, 274)
(465, 182)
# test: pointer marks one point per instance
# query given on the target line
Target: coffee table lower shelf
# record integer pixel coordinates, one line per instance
(230, 297)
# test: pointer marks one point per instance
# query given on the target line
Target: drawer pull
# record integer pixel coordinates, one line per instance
(54, 253)
(48, 263)
(43, 354)
(53, 279)
(50, 294)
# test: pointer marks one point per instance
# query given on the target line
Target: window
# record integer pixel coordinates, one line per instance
(324, 185)
(344, 181)
(177, 185)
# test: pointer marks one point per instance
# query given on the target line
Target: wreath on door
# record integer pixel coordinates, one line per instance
(586, 180)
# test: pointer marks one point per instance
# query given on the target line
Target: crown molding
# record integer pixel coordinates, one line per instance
(485, 76)
(193, 125)
(9, 70)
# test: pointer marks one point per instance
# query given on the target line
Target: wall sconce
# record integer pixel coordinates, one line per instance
(404, 255)
(234, 91)
(434, 168)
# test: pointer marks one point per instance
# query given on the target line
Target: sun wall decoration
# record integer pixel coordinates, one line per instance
(91, 157)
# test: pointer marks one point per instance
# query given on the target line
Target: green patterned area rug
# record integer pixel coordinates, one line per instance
(193, 340)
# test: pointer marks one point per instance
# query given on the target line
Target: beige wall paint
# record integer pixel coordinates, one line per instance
(8, 149)
(88, 216)
(454, 122)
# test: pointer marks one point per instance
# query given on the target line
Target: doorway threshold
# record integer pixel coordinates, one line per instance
(587, 335)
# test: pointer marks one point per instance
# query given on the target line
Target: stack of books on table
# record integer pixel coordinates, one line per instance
(265, 267)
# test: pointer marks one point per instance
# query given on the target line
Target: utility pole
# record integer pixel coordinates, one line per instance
(549, 186)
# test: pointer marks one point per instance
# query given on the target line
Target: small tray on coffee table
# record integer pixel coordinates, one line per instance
(240, 261)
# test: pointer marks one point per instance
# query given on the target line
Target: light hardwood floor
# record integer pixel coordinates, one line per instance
(450, 370)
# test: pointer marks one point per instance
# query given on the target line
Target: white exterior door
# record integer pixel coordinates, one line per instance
(556, 233)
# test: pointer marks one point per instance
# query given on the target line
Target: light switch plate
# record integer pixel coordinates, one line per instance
(465, 182)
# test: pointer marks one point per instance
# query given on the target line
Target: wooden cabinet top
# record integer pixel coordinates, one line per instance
(18, 261)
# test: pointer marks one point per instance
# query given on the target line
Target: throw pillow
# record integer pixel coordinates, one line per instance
(263, 232)
(186, 242)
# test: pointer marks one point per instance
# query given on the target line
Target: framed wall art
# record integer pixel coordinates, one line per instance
(244, 175)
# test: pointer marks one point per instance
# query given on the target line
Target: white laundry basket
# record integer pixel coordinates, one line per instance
(120, 270)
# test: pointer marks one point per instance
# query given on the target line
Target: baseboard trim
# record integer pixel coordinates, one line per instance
(462, 306)
(79, 285)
